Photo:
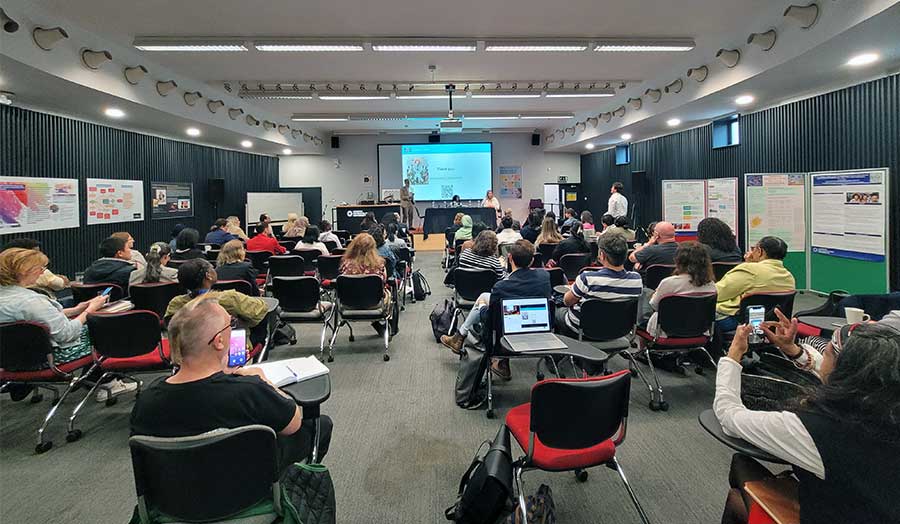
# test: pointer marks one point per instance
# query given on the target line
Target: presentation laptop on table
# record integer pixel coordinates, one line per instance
(526, 325)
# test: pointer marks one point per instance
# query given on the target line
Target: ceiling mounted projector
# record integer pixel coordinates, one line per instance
(451, 125)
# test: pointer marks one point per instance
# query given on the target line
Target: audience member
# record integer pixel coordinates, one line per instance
(612, 282)
(234, 227)
(362, 258)
(515, 225)
(136, 256)
(393, 240)
(264, 218)
(311, 240)
(532, 227)
(568, 218)
(549, 233)
(218, 233)
(507, 234)
(483, 254)
(48, 282)
(763, 270)
(621, 227)
(587, 220)
(573, 244)
(155, 270)
(231, 264)
(186, 245)
(327, 235)
(717, 236)
(660, 249)
(693, 274)
(841, 437)
(477, 228)
(204, 394)
(174, 235)
(295, 227)
(607, 221)
(464, 231)
(384, 250)
(368, 221)
(264, 241)
(450, 232)
(617, 205)
(114, 265)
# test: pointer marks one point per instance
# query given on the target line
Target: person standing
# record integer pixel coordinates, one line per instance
(491, 201)
(618, 204)
(407, 203)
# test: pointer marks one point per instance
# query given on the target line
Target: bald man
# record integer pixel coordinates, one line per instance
(660, 249)
(205, 394)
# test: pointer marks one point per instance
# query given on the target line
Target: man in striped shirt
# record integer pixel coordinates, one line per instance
(612, 282)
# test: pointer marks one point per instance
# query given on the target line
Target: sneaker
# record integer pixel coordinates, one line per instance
(114, 388)
(500, 367)
(454, 342)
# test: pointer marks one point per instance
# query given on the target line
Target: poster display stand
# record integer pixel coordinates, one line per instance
(686, 202)
(775, 204)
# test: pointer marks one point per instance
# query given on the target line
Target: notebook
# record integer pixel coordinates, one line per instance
(285, 372)
(527, 323)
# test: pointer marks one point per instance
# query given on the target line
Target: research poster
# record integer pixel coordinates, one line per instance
(776, 206)
(510, 182)
(684, 203)
(440, 171)
(111, 201)
(171, 200)
(37, 204)
(848, 214)
(721, 200)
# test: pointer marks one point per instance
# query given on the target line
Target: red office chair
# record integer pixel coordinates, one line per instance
(655, 273)
(572, 263)
(572, 425)
(285, 266)
(155, 296)
(330, 245)
(329, 267)
(289, 245)
(260, 260)
(82, 292)
(26, 358)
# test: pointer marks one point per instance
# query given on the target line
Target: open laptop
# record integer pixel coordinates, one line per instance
(527, 323)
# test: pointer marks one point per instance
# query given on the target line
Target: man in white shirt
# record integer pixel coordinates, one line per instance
(618, 204)
(508, 235)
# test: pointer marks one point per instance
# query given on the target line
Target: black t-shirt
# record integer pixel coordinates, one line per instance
(570, 246)
(217, 401)
(657, 254)
(239, 271)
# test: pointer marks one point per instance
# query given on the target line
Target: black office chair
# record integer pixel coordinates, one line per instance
(829, 308)
(212, 255)
(720, 268)
(783, 300)
(82, 292)
(608, 325)
(557, 276)
(285, 266)
(309, 259)
(187, 479)
(206, 246)
(288, 245)
(343, 235)
(572, 263)
(360, 298)
(155, 296)
(654, 274)
(405, 270)
(331, 245)
(329, 267)
(300, 301)
(175, 264)
(241, 286)
(546, 252)
(339, 251)
(260, 260)
(469, 285)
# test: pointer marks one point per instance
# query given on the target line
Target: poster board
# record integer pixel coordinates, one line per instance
(687, 202)
(171, 200)
(276, 205)
(111, 201)
(37, 204)
(510, 182)
(775, 204)
(721, 200)
(849, 226)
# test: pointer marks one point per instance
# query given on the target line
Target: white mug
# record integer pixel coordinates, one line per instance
(856, 315)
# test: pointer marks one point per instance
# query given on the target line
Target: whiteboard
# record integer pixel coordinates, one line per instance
(276, 205)
(551, 194)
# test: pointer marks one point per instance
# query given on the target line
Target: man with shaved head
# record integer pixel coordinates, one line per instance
(205, 394)
(660, 249)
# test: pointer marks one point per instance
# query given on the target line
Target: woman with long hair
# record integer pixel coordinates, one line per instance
(295, 226)
(549, 233)
(718, 237)
(574, 244)
(587, 220)
(362, 258)
(233, 226)
(392, 239)
(156, 270)
(231, 265)
(693, 274)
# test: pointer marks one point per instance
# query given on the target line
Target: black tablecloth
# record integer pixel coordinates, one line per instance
(349, 217)
(438, 219)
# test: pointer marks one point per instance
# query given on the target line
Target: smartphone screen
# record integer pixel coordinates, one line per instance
(756, 315)
(237, 348)
(106, 291)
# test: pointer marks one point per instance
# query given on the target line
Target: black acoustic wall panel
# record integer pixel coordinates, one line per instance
(41, 145)
(853, 128)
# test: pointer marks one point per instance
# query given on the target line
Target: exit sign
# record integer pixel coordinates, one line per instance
(562, 179)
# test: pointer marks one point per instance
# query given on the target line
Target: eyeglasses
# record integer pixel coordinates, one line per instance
(232, 323)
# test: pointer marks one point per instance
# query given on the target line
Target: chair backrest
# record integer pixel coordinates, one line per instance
(286, 266)
(331, 245)
(580, 413)
(329, 266)
(206, 477)
(296, 294)
(206, 246)
(155, 296)
(720, 268)
(241, 286)
(557, 276)
(572, 263)
(504, 249)
(603, 320)
(288, 244)
(212, 255)
(338, 251)
(309, 257)
(175, 264)
(343, 235)
(546, 251)
(783, 300)
(687, 315)
(469, 283)
(126, 334)
(82, 292)
(404, 254)
(259, 259)
(655, 273)
(24, 345)
(537, 261)
(360, 291)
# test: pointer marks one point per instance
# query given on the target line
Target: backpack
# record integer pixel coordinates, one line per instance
(539, 507)
(471, 386)
(284, 334)
(441, 318)
(485, 493)
(420, 286)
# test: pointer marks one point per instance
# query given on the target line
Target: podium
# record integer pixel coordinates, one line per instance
(348, 217)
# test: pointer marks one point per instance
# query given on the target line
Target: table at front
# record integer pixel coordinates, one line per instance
(438, 219)
(348, 217)
(825, 324)
(710, 423)
(309, 395)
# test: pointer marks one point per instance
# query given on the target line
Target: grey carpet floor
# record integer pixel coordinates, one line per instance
(400, 443)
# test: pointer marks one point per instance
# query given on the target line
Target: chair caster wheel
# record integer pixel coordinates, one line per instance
(386, 357)
(490, 414)
(74, 435)
(43, 447)
(330, 358)
(633, 372)
(581, 475)
(352, 338)
(659, 406)
(112, 401)
(37, 398)
(539, 377)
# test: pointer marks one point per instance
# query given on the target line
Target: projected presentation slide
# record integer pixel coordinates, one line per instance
(439, 171)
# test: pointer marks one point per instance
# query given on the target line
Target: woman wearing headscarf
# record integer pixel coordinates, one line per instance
(465, 229)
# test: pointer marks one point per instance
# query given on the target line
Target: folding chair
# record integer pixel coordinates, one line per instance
(557, 276)
(469, 284)
(343, 235)
(212, 255)
(654, 274)
(572, 263)
(360, 298)
(155, 296)
(572, 425)
(82, 292)
(300, 300)
(405, 269)
(329, 267)
(288, 245)
(285, 266)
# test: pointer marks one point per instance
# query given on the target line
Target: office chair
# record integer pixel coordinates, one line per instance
(300, 300)
(469, 284)
(82, 292)
(572, 263)
(654, 274)
(720, 268)
(155, 296)
(360, 298)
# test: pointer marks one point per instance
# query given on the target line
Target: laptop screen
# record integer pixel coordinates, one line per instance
(525, 315)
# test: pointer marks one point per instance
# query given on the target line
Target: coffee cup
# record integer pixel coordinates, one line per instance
(856, 315)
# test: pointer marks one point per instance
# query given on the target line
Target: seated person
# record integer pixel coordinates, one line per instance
(186, 245)
(477, 228)
(198, 277)
(532, 227)
(549, 233)
(660, 249)
(483, 254)
(841, 437)
(48, 283)
(218, 233)
(612, 282)
(464, 231)
(587, 220)
(310, 240)
(693, 274)
(763, 271)
(233, 226)
(295, 227)
(393, 239)
(368, 221)
(264, 241)
(450, 232)
(607, 221)
(362, 258)
(231, 264)
(384, 250)
(264, 218)
(155, 270)
(514, 225)
(507, 234)
(136, 256)
(568, 218)
(327, 234)
(522, 282)
(717, 236)
(204, 394)
(620, 227)
(574, 243)
(114, 265)
(174, 235)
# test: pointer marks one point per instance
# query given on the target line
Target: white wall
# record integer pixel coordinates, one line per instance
(358, 156)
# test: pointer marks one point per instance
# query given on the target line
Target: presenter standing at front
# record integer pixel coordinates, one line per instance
(406, 204)
(491, 201)
(618, 204)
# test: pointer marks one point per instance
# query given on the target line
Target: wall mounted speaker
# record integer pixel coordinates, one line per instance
(535, 139)
(335, 142)
(215, 190)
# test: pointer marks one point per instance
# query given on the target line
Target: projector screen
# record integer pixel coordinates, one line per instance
(437, 171)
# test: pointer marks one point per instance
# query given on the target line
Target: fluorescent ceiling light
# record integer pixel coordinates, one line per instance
(626, 136)
(863, 59)
(488, 94)
(354, 97)
(276, 95)
(308, 47)
(581, 94)
(286, 151)
(644, 45)
(191, 48)
(527, 47)
(425, 45)
(192, 131)
(320, 118)
(672, 122)
(169, 44)
(542, 117)
(246, 143)
(743, 100)
(491, 117)
(589, 146)
(114, 112)
(412, 95)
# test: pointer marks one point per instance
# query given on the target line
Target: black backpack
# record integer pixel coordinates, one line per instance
(485, 491)
(441, 317)
(420, 286)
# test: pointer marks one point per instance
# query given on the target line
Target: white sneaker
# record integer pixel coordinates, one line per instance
(114, 388)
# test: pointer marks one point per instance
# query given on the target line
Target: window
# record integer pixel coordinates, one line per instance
(726, 132)
(623, 155)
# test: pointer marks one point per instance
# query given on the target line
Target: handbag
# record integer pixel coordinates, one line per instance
(485, 493)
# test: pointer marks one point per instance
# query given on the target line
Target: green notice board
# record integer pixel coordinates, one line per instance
(775, 204)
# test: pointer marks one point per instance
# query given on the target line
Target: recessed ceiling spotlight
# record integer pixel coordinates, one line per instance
(673, 122)
(744, 100)
(246, 143)
(626, 136)
(192, 131)
(589, 146)
(114, 112)
(286, 151)
(863, 59)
